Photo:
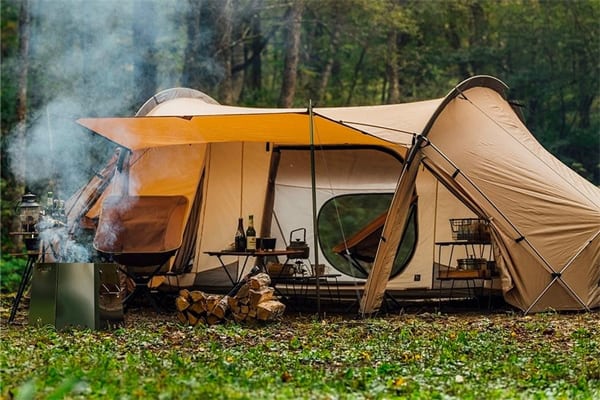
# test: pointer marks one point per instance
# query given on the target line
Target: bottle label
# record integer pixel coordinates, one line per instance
(251, 243)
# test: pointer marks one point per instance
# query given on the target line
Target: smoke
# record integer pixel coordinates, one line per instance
(60, 245)
(82, 62)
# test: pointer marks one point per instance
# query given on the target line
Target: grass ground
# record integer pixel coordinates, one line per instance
(412, 355)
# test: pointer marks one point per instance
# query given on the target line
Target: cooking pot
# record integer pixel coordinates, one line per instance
(299, 243)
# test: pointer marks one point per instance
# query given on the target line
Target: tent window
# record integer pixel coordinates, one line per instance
(350, 227)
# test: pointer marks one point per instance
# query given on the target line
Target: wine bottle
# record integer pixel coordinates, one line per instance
(240, 237)
(49, 204)
(251, 235)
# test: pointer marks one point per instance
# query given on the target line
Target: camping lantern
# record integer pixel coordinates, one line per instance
(29, 212)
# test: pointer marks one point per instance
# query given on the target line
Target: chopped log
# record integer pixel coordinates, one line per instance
(259, 296)
(220, 309)
(181, 303)
(238, 317)
(197, 295)
(251, 299)
(185, 294)
(243, 292)
(269, 310)
(211, 301)
(182, 317)
(198, 308)
(245, 309)
(232, 302)
(193, 319)
(259, 281)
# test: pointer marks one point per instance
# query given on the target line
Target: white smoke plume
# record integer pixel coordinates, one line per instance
(81, 64)
(58, 244)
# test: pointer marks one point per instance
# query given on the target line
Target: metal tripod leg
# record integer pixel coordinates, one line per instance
(25, 278)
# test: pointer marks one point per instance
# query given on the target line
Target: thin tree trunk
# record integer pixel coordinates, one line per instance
(144, 36)
(238, 30)
(224, 29)
(393, 93)
(256, 46)
(191, 66)
(328, 67)
(357, 69)
(24, 25)
(288, 86)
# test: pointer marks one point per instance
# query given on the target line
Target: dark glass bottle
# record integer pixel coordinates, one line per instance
(251, 235)
(240, 236)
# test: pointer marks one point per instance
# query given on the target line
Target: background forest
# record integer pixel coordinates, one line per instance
(65, 59)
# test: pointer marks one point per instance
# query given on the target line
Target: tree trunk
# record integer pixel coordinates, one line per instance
(290, 68)
(328, 67)
(237, 58)
(357, 69)
(393, 93)
(191, 63)
(256, 46)
(223, 38)
(144, 36)
(24, 20)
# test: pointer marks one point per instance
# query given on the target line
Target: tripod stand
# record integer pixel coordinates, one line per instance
(25, 278)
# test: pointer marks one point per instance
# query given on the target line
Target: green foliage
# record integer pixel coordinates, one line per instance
(11, 269)
(422, 356)
(81, 55)
(8, 217)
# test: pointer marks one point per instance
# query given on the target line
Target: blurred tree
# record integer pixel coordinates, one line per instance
(145, 62)
(223, 53)
(21, 122)
(290, 63)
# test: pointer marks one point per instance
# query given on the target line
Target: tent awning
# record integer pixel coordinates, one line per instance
(212, 123)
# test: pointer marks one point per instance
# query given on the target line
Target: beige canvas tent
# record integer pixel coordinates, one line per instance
(419, 164)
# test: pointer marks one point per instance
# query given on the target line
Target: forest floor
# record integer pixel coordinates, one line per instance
(413, 352)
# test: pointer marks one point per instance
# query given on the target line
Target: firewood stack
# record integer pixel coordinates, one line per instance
(253, 300)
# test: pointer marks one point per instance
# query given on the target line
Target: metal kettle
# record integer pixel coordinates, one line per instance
(299, 243)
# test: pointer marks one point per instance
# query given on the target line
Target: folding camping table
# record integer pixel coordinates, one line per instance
(245, 255)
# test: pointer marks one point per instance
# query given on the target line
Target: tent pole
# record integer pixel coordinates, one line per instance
(549, 268)
(242, 181)
(529, 150)
(564, 284)
(524, 239)
(570, 262)
(314, 207)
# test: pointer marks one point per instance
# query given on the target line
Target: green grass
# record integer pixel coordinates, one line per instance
(424, 356)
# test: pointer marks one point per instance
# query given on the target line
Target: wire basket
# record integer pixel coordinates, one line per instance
(470, 229)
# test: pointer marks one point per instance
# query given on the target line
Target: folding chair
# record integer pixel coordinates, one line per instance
(141, 233)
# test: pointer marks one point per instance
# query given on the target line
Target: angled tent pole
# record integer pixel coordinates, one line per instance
(589, 242)
(521, 237)
(495, 122)
(391, 235)
(314, 206)
(556, 275)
